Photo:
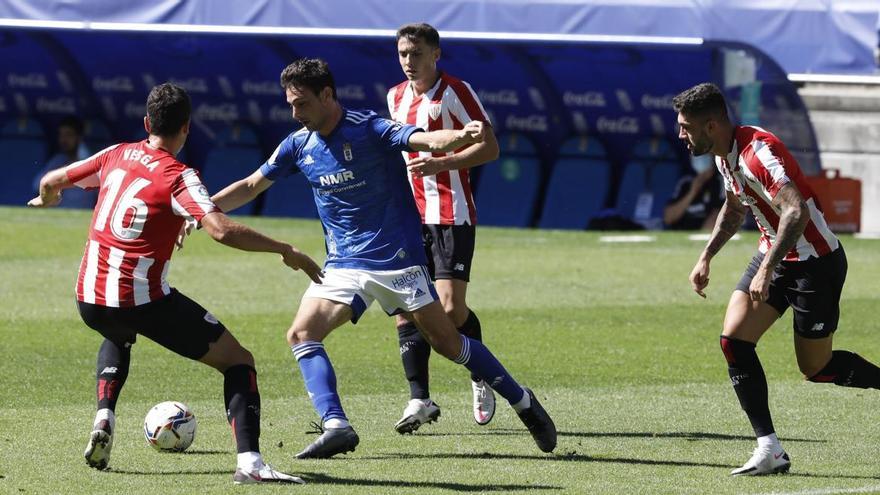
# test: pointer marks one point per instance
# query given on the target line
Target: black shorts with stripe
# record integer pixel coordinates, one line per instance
(175, 322)
(811, 287)
(450, 250)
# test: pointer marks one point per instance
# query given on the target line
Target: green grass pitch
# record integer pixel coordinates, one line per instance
(621, 352)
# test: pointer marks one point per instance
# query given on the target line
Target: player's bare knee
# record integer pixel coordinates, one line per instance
(298, 334)
(243, 356)
(447, 346)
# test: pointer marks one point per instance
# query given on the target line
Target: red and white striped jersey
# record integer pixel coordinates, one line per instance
(755, 169)
(145, 196)
(445, 198)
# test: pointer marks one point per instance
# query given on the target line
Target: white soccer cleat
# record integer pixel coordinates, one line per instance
(263, 475)
(417, 413)
(484, 402)
(97, 452)
(764, 461)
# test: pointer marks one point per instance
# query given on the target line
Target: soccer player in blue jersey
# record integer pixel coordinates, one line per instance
(352, 159)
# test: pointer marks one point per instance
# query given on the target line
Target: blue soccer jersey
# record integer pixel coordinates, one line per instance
(359, 183)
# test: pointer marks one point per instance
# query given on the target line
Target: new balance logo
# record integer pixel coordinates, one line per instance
(308, 160)
(818, 327)
(459, 267)
(109, 369)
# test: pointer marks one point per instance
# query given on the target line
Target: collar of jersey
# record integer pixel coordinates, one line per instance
(335, 129)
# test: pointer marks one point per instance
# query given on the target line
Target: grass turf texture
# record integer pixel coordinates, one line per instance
(620, 351)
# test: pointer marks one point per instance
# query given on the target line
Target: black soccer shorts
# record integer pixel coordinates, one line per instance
(811, 287)
(450, 250)
(175, 322)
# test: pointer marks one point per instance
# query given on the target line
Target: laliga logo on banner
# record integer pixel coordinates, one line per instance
(620, 125)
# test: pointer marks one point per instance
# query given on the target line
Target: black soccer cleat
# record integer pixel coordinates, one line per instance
(331, 442)
(539, 423)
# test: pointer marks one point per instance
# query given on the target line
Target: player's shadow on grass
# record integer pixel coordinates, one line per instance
(320, 478)
(687, 435)
(166, 473)
(614, 434)
(206, 452)
(567, 457)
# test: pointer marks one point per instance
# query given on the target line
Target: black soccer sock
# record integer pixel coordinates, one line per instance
(243, 406)
(749, 383)
(112, 370)
(414, 352)
(848, 369)
(471, 328)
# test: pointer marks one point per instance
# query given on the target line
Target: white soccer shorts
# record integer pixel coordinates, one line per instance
(397, 291)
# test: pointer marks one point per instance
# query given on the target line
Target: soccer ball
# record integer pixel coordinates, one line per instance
(170, 427)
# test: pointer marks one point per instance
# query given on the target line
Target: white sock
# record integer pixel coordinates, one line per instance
(107, 414)
(770, 442)
(336, 423)
(250, 461)
(523, 403)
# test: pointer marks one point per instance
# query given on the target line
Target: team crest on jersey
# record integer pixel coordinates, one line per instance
(346, 152)
(434, 110)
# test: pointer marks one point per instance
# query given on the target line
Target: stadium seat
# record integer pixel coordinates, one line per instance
(578, 185)
(23, 148)
(648, 181)
(290, 197)
(96, 135)
(235, 155)
(508, 188)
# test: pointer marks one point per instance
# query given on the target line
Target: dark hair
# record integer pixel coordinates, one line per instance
(73, 122)
(701, 100)
(168, 108)
(420, 31)
(311, 73)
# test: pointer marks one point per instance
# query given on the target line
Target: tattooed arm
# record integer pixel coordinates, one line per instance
(793, 218)
(730, 218)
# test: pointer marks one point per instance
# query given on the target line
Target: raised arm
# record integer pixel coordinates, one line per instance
(793, 218)
(242, 191)
(446, 140)
(730, 219)
(233, 234)
(51, 186)
(472, 156)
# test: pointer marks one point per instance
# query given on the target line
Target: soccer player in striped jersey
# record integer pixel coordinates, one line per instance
(432, 99)
(145, 195)
(374, 244)
(800, 263)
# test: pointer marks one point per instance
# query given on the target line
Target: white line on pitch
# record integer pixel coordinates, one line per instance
(830, 491)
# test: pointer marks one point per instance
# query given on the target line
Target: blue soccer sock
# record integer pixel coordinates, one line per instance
(320, 379)
(481, 362)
